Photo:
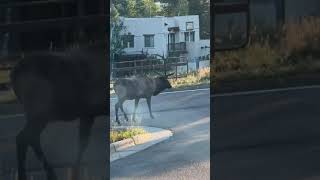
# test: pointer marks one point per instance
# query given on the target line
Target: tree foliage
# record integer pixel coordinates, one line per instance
(175, 7)
(116, 26)
(137, 8)
(191, 7)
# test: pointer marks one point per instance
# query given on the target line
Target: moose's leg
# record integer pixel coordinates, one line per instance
(117, 109)
(121, 107)
(136, 102)
(30, 136)
(149, 106)
(86, 124)
(36, 146)
(22, 147)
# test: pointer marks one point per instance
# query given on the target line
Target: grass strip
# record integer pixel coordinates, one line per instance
(118, 135)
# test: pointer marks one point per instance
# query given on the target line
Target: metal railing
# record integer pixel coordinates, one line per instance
(177, 46)
(145, 66)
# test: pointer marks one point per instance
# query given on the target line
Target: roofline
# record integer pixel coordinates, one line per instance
(158, 17)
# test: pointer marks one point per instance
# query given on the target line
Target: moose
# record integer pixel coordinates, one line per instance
(135, 88)
(59, 86)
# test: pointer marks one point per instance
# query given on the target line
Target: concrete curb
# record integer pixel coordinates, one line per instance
(137, 143)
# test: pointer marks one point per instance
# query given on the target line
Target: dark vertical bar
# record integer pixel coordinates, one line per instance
(81, 12)
(212, 121)
(165, 66)
(103, 6)
(150, 65)
(280, 12)
(135, 67)
(6, 35)
(187, 66)
(168, 53)
(176, 68)
(14, 38)
(64, 31)
(223, 10)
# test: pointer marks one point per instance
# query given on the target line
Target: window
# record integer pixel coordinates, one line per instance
(186, 37)
(149, 40)
(172, 37)
(189, 26)
(128, 41)
(189, 36)
(192, 36)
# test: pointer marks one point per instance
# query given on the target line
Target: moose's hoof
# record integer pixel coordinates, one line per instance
(152, 117)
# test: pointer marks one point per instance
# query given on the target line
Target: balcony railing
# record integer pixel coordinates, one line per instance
(172, 47)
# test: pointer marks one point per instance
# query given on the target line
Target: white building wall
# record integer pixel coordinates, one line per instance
(156, 25)
(194, 49)
(181, 22)
(141, 26)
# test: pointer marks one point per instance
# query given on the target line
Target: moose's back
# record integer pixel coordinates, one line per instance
(61, 85)
(134, 87)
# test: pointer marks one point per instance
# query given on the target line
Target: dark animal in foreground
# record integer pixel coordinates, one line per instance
(136, 88)
(59, 87)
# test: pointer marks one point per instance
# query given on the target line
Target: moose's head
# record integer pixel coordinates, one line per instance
(162, 84)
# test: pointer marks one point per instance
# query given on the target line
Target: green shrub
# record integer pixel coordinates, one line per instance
(118, 135)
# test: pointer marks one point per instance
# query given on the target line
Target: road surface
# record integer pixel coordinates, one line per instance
(272, 135)
(186, 155)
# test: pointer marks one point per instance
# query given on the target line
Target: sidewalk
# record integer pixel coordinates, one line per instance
(138, 143)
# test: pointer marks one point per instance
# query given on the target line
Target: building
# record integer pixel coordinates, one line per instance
(165, 36)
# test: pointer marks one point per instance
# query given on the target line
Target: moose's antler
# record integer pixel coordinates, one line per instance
(169, 74)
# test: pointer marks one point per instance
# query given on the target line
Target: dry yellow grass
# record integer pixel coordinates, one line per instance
(4, 76)
(256, 56)
(7, 97)
(195, 78)
(296, 44)
(301, 36)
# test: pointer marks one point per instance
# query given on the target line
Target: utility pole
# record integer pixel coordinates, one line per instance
(149, 9)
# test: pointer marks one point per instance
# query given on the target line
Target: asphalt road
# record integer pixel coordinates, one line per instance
(186, 155)
(274, 135)
(59, 142)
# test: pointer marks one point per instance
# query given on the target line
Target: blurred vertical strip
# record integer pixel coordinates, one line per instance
(280, 11)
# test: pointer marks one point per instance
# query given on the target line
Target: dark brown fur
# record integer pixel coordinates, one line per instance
(136, 88)
(59, 87)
